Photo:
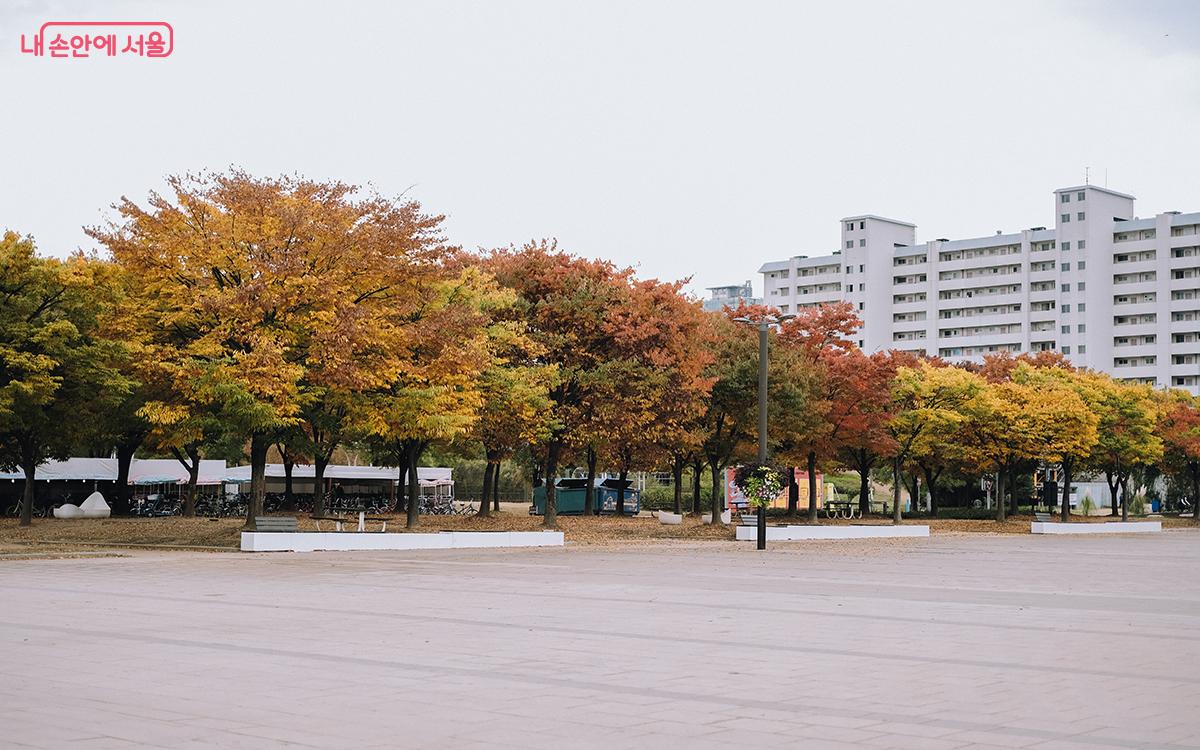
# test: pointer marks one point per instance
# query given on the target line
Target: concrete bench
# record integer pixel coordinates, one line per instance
(276, 523)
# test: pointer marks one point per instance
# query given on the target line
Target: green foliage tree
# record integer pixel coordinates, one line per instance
(58, 376)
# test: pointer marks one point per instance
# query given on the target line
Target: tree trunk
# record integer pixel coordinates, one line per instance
(320, 462)
(931, 478)
(189, 458)
(697, 471)
(812, 487)
(1125, 498)
(1195, 469)
(189, 502)
(793, 489)
(677, 464)
(289, 462)
(589, 492)
(485, 501)
(864, 485)
(715, 502)
(258, 477)
(622, 475)
(1067, 465)
(414, 487)
(1114, 485)
(1012, 500)
(915, 503)
(496, 485)
(897, 514)
(29, 493)
(550, 519)
(125, 451)
(1001, 505)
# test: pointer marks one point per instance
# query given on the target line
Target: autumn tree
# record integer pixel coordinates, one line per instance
(1088, 387)
(925, 398)
(1018, 420)
(438, 392)
(516, 409)
(826, 374)
(262, 293)
(652, 388)
(1128, 418)
(58, 376)
(866, 412)
(729, 419)
(1179, 427)
(567, 301)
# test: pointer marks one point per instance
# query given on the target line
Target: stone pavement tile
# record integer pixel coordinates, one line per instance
(911, 742)
(995, 739)
(749, 738)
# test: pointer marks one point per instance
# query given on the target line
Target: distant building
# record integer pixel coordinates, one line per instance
(730, 296)
(1111, 291)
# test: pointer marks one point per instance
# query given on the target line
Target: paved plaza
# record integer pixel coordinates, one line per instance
(948, 642)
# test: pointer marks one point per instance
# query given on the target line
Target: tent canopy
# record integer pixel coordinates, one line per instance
(141, 471)
(426, 475)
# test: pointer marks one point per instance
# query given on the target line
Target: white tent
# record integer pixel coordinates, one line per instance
(170, 471)
(141, 471)
(427, 476)
(73, 469)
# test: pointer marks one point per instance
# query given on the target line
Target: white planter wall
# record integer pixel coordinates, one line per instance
(784, 533)
(313, 541)
(1110, 527)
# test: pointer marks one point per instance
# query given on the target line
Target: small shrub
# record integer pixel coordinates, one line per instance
(1137, 504)
(1087, 505)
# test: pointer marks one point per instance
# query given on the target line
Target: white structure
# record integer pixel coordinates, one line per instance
(1109, 290)
(316, 541)
(721, 297)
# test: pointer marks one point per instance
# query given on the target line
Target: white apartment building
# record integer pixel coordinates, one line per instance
(1109, 290)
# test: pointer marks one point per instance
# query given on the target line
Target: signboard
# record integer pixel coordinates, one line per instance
(735, 500)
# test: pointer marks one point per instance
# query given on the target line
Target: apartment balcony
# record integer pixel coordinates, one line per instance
(1134, 329)
(1141, 287)
(986, 339)
(1185, 283)
(1134, 266)
(1135, 350)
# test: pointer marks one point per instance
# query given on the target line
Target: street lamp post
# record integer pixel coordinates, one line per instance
(764, 325)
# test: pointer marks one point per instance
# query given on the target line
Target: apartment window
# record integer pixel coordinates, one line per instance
(1066, 266)
(862, 224)
(849, 226)
(1066, 329)
(1066, 308)
(1080, 195)
(1083, 349)
(1064, 218)
(860, 268)
(1082, 307)
(1066, 350)
(849, 270)
(1066, 197)
(1081, 328)
(1079, 216)
(860, 305)
(862, 243)
(1082, 286)
(1081, 265)
(1066, 287)
(862, 287)
(849, 244)
(1081, 244)
(1066, 246)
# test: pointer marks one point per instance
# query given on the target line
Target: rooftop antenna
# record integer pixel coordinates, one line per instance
(1086, 175)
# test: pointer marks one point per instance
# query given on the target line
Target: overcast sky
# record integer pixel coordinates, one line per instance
(684, 138)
